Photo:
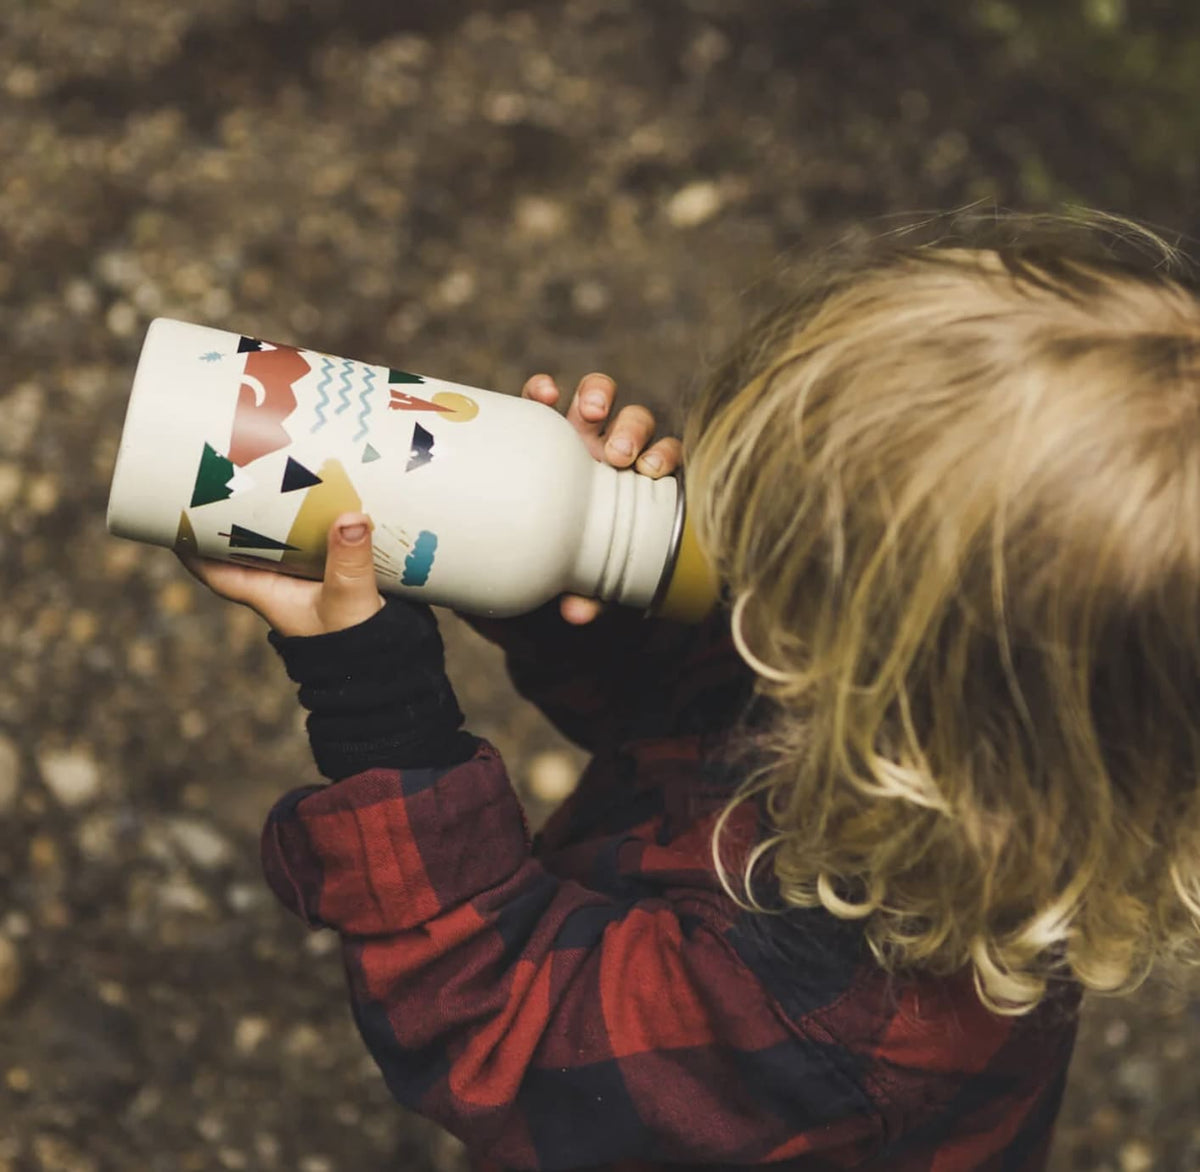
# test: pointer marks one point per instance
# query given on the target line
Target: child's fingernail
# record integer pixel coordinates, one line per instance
(621, 446)
(652, 461)
(353, 534)
(596, 401)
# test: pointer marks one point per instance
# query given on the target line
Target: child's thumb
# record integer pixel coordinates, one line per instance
(349, 594)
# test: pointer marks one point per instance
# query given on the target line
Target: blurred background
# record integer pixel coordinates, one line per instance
(476, 189)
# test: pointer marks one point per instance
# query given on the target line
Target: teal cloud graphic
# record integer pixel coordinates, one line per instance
(420, 561)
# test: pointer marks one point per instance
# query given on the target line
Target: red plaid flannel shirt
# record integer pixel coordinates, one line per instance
(593, 998)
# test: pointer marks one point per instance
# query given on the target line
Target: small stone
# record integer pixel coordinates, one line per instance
(193, 279)
(121, 559)
(455, 289)
(178, 895)
(201, 843)
(10, 483)
(210, 1127)
(10, 774)
(23, 82)
(246, 897)
(42, 495)
(55, 1154)
(505, 109)
(302, 1040)
(231, 1158)
(693, 204)
(708, 47)
(44, 855)
(1105, 1122)
(316, 1163)
(82, 626)
(113, 993)
(321, 943)
(145, 1103)
(177, 597)
(97, 837)
(552, 775)
(18, 1079)
(536, 216)
(121, 319)
(193, 724)
(249, 1034)
(216, 304)
(80, 297)
(22, 415)
(1116, 1033)
(72, 775)
(1139, 1078)
(10, 971)
(142, 657)
(1176, 1048)
(267, 1148)
(589, 298)
(1136, 1156)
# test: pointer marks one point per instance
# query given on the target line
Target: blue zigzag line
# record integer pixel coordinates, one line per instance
(326, 368)
(369, 379)
(344, 389)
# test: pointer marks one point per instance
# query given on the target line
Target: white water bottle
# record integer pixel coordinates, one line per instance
(245, 450)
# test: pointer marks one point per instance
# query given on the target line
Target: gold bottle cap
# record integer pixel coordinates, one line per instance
(690, 589)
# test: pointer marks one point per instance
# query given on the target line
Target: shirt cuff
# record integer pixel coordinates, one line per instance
(377, 693)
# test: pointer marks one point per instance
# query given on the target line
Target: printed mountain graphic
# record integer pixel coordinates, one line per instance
(421, 452)
(369, 454)
(242, 538)
(402, 376)
(321, 506)
(212, 478)
(266, 398)
(185, 537)
(252, 345)
(295, 476)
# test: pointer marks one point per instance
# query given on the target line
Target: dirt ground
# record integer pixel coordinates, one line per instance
(477, 191)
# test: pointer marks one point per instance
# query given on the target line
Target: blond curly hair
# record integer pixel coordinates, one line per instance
(953, 488)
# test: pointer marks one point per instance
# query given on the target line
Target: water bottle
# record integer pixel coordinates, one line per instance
(245, 450)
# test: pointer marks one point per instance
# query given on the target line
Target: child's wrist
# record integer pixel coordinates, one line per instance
(398, 631)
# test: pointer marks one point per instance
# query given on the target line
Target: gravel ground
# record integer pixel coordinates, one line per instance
(474, 190)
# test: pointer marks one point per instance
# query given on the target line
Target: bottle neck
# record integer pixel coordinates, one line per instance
(638, 549)
(627, 537)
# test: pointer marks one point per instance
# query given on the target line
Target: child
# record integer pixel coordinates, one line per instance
(836, 911)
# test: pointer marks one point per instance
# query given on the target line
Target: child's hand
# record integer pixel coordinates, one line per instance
(622, 444)
(295, 606)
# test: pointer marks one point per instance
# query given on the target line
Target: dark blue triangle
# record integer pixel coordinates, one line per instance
(295, 476)
(421, 452)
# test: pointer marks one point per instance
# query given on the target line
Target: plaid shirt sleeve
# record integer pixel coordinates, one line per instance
(548, 1024)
